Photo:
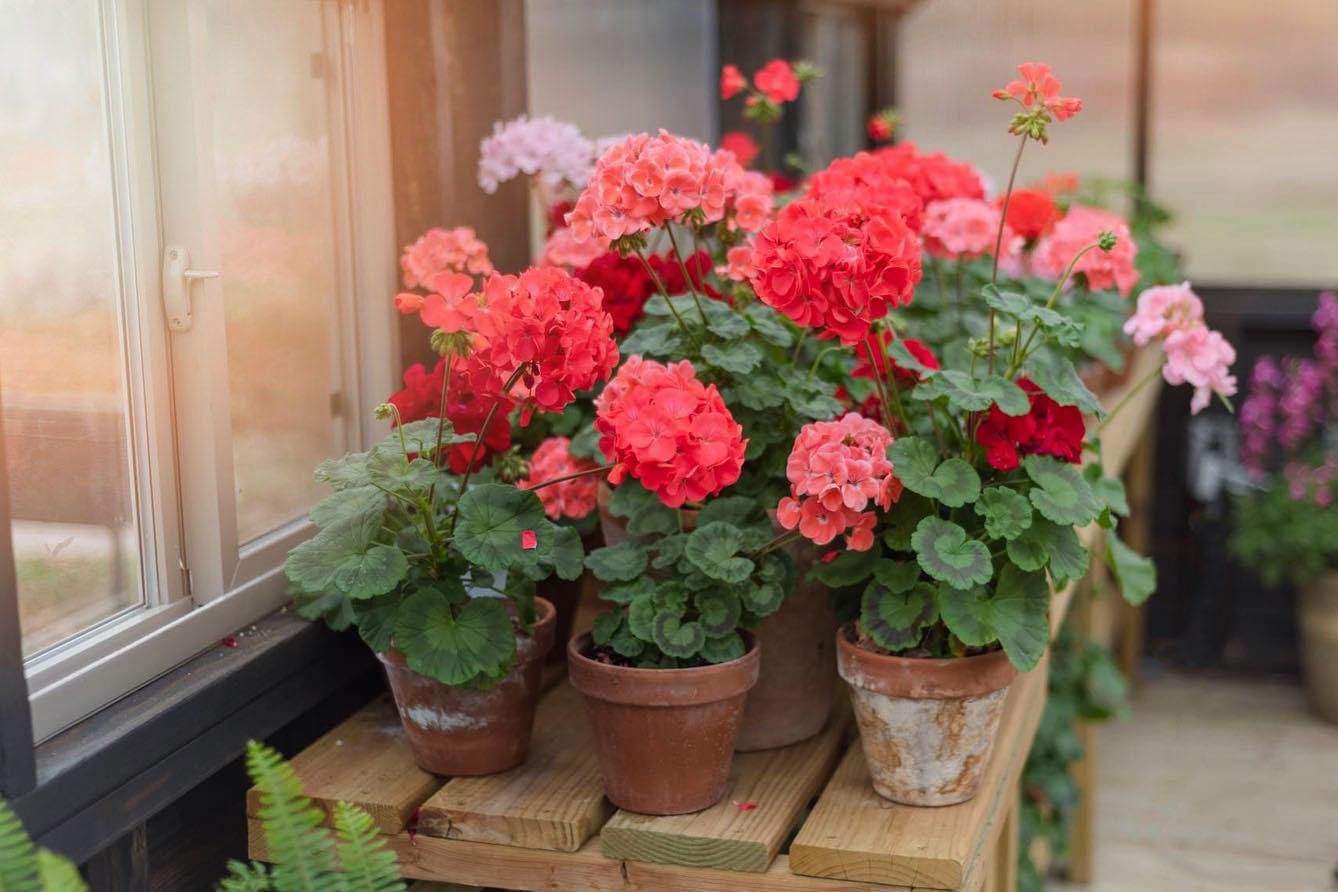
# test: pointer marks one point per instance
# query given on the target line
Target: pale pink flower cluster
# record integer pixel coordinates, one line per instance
(562, 249)
(437, 251)
(751, 194)
(646, 181)
(961, 227)
(553, 150)
(1103, 269)
(836, 469)
(1195, 354)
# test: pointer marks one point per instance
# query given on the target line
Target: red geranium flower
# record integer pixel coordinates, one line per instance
(1047, 429)
(744, 147)
(777, 81)
(474, 388)
(905, 378)
(732, 82)
(933, 177)
(1039, 88)
(1031, 212)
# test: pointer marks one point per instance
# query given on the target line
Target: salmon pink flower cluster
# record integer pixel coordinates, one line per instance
(744, 147)
(1102, 268)
(837, 470)
(823, 264)
(644, 182)
(867, 185)
(777, 81)
(473, 390)
(552, 326)
(662, 426)
(456, 250)
(570, 498)
(933, 177)
(563, 249)
(1047, 429)
(1195, 354)
(961, 228)
(1037, 91)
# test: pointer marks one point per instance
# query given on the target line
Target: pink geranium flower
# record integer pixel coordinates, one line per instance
(1163, 309)
(744, 147)
(1039, 88)
(572, 498)
(1103, 269)
(444, 250)
(1201, 358)
(961, 227)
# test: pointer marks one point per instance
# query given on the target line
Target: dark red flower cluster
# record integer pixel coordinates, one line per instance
(553, 325)
(905, 378)
(827, 264)
(935, 176)
(627, 286)
(1048, 429)
(1031, 212)
(474, 388)
(865, 181)
(661, 425)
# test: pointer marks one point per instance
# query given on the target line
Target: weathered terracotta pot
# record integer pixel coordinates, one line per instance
(465, 731)
(664, 737)
(797, 680)
(1317, 613)
(927, 726)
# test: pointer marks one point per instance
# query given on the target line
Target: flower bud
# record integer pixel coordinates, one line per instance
(1105, 240)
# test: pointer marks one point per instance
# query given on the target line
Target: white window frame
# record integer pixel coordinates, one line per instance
(200, 586)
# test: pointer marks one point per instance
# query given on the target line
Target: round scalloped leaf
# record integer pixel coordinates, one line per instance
(373, 572)
(847, 568)
(455, 648)
(1108, 490)
(626, 644)
(896, 576)
(490, 519)
(641, 617)
(1016, 615)
(736, 510)
(739, 357)
(896, 620)
(617, 563)
(762, 600)
(714, 550)
(915, 463)
(718, 612)
(677, 638)
(1136, 575)
(375, 619)
(1060, 381)
(723, 648)
(946, 554)
(627, 592)
(669, 550)
(767, 323)
(900, 522)
(1068, 557)
(605, 626)
(1060, 494)
(352, 502)
(1007, 512)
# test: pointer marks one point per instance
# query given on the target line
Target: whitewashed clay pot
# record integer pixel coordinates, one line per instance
(927, 726)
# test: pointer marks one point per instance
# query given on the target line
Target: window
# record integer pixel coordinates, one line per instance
(161, 421)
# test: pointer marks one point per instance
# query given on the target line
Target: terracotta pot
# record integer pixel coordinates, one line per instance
(1317, 614)
(467, 731)
(664, 737)
(797, 681)
(927, 726)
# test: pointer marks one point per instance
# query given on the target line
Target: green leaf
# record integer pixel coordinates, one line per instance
(586, 444)
(1007, 512)
(365, 859)
(376, 620)
(813, 398)
(420, 437)
(677, 638)
(1054, 544)
(915, 462)
(1056, 325)
(653, 340)
(605, 626)
(723, 321)
(345, 473)
(718, 611)
(764, 599)
(646, 514)
(947, 555)
(489, 523)
(714, 549)
(567, 556)
(847, 568)
(353, 502)
(738, 357)
(896, 620)
(1108, 490)
(455, 648)
(669, 550)
(617, 563)
(625, 643)
(627, 592)
(759, 392)
(330, 606)
(724, 648)
(1060, 494)
(1017, 615)
(1136, 575)
(896, 576)
(373, 572)
(388, 469)
(641, 618)
(901, 521)
(1060, 381)
(904, 358)
(343, 556)
(18, 855)
(768, 325)
(736, 510)
(969, 394)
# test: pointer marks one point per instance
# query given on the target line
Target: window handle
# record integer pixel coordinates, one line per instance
(177, 279)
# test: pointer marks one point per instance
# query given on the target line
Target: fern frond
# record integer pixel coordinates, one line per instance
(368, 865)
(301, 849)
(58, 874)
(244, 877)
(18, 857)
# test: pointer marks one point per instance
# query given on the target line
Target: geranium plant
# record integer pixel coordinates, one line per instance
(426, 546)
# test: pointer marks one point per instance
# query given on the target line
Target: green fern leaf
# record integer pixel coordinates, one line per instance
(58, 874)
(369, 866)
(244, 877)
(300, 848)
(18, 857)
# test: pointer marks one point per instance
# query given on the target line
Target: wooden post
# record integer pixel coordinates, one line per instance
(1003, 875)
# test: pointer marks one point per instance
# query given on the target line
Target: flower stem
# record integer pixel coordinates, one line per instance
(483, 431)
(1128, 397)
(817, 359)
(600, 469)
(687, 276)
(781, 539)
(659, 286)
(799, 345)
(1020, 356)
(998, 239)
(441, 408)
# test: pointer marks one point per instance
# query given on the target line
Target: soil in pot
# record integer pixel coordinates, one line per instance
(664, 737)
(468, 731)
(927, 726)
(797, 680)
(1318, 617)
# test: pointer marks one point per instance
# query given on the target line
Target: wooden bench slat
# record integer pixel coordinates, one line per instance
(364, 761)
(553, 801)
(854, 834)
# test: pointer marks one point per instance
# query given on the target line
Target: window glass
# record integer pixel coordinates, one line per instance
(1245, 137)
(950, 56)
(62, 362)
(271, 85)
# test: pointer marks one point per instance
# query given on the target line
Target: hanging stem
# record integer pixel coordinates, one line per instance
(687, 276)
(998, 239)
(1125, 400)
(601, 469)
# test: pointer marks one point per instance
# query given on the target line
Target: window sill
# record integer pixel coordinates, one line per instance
(115, 769)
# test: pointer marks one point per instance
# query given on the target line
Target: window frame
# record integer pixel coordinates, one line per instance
(194, 601)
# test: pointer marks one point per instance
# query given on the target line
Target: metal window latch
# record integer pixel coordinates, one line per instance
(177, 280)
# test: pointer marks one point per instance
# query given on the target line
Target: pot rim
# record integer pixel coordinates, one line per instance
(545, 626)
(921, 678)
(662, 687)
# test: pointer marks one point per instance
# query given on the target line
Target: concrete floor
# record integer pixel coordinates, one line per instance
(1216, 785)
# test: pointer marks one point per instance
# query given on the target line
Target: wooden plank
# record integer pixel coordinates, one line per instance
(364, 761)
(1003, 876)
(854, 834)
(554, 801)
(647, 877)
(781, 782)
